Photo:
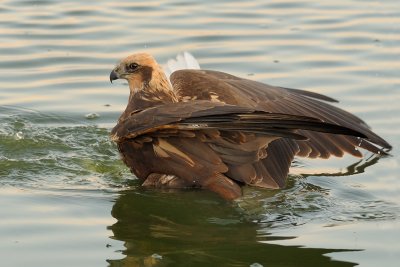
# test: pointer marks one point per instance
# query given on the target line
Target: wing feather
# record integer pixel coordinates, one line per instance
(200, 115)
(248, 93)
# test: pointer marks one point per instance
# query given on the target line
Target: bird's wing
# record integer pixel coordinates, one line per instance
(199, 141)
(225, 88)
(204, 115)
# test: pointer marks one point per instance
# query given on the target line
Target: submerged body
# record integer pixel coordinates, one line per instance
(213, 130)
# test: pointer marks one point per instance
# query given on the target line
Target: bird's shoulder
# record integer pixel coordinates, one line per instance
(223, 87)
(204, 85)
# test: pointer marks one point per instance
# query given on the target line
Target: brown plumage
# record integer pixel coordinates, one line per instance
(212, 130)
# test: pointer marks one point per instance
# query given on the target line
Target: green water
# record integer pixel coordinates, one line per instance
(68, 200)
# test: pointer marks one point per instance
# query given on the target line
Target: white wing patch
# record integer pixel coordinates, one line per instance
(183, 61)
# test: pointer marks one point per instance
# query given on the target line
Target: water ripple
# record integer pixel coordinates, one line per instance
(71, 153)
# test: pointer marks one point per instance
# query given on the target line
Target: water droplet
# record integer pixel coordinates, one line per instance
(361, 140)
(92, 116)
(256, 264)
(19, 136)
(156, 256)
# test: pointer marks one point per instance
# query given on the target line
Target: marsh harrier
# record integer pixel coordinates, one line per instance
(213, 130)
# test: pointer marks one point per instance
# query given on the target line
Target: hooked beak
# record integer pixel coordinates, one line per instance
(113, 76)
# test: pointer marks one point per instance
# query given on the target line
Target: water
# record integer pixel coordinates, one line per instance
(67, 199)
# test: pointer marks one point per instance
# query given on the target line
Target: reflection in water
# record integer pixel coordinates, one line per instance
(167, 229)
(354, 168)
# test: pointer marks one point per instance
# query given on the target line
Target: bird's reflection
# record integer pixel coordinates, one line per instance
(353, 168)
(304, 199)
(195, 228)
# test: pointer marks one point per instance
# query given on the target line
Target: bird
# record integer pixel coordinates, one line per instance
(212, 130)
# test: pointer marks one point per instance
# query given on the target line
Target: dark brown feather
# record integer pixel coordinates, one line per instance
(248, 93)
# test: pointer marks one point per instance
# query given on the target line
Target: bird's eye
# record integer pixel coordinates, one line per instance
(133, 66)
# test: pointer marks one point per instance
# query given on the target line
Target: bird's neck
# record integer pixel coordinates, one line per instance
(147, 94)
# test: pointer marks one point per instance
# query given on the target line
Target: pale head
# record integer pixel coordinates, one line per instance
(138, 69)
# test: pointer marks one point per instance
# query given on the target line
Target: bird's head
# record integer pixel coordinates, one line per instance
(138, 69)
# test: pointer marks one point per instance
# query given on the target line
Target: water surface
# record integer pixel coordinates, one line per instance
(68, 200)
